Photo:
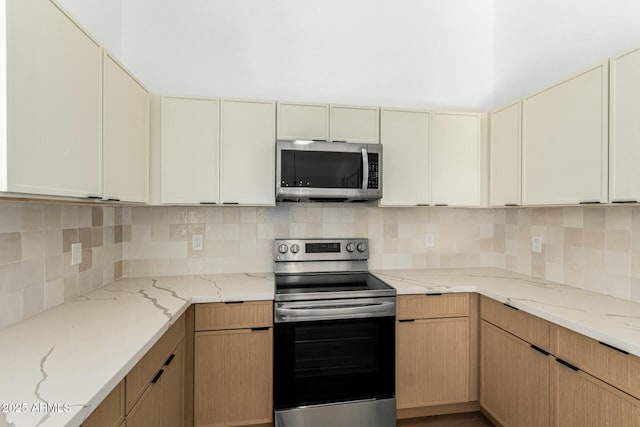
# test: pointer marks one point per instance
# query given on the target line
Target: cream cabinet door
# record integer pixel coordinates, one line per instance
(355, 124)
(565, 141)
(404, 135)
(125, 130)
(248, 152)
(624, 128)
(190, 155)
(456, 159)
(505, 161)
(303, 121)
(54, 99)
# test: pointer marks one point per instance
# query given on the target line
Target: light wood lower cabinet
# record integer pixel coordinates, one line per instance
(583, 401)
(148, 411)
(233, 373)
(515, 379)
(110, 413)
(436, 353)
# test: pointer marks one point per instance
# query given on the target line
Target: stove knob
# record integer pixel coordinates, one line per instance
(295, 249)
(350, 247)
(362, 247)
(283, 248)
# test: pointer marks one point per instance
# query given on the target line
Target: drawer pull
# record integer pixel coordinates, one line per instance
(157, 377)
(624, 201)
(539, 350)
(613, 348)
(433, 295)
(567, 364)
(441, 204)
(510, 204)
(233, 302)
(590, 202)
(208, 203)
(510, 306)
(262, 328)
(406, 320)
(169, 360)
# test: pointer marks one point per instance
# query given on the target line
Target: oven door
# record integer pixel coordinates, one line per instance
(327, 170)
(324, 361)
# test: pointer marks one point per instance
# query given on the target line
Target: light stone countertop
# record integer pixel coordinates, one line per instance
(77, 352)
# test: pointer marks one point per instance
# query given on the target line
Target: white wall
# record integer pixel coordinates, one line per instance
(412, 53)
(538, 42)
(101, 18)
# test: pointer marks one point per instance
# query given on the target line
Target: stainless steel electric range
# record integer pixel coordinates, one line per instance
(334, 350)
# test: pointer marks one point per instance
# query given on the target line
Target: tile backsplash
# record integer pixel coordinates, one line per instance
(35, 254)
(596, 248)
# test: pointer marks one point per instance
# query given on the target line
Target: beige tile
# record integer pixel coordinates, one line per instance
(84, 216)
(196, 215)
(97, 219)
(231, 215)
(594, 259)
(33, 300)
(32, 272)
(618, 240)
(69, 216)
(87, 260)
(390, 215)
(10, 248)
(618, 263)
(511, 216)
(573, 256)
(554, 253)
(554, 217)
(511, 231)
(71, 287)
(618, 218)
(249, 215)
(53, 293)
(314, 215)
(117, 233)
(593, 280)
(538, 264)
(593, 238)
(118, 214)
(69, 236)
(53, 242)
(32, 244)
(635, 264)
(232, 231)
(573, 217)
(53, 268)
(538, 216)
(635, 289)
(177, 215)
(618, 285)
(499, 246)
(390, 231)
(84, 237)
(499, 232)
(32, 217)
(96, 237)
(573, 236)
(52, 217)
(594, 217)
(554, 272)
(555, 235)
(127, 233)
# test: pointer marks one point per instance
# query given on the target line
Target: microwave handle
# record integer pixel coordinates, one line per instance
(365, 169)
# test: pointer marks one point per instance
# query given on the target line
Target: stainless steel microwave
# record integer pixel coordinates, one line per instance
(328, 171)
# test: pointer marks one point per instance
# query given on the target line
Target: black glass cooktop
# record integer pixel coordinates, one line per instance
(329, 285)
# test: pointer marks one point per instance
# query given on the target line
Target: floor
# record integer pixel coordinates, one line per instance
(471, 419)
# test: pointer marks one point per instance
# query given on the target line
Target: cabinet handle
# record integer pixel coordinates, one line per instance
(613, 348)
(169, 360)
(208, 203)
(230, 203)
(510, 306)
(262, 328)
(441, 204)
(432, 295)
(406, 320)
(322, 140)
(157, 377)
(590, 202)
(94, 197)
(113, 200)
(510, 204)
(624, 201)
(567, 364)
(423, 204)
(539, 350)
(233, 302)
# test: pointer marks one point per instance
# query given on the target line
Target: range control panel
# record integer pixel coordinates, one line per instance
(321, 249)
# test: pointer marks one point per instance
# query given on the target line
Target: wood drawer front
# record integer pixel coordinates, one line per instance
(248, 314)
(611, 366)
(432, 306)
(110, 413)
(523, 325)
(144, 371)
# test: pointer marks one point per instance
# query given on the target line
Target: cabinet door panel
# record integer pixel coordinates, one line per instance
(583, 401)
(432, 362)
(248, 152)
(355, 124)
(624, 149)
(54, 100)
(125, 130)
(303, 121)
(455, 159)
(565, 141)
(505, 162)
(148, 411)
(190, 150)
(514, 380)
(173, 390)
(405, 166)
(233, 377)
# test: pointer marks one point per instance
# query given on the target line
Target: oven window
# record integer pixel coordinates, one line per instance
(321, 169)
(331, 361)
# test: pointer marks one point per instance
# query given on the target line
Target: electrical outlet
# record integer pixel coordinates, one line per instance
(536, 244)
(429, 240)
(76, 253)
(197, 242)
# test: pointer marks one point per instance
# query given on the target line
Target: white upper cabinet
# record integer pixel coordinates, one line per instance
(354, 124)
(190, 154)
(624, 141)
(404, 135)
(125, 130)
(52, 141)
(303, 121)
(247, 138)
(564, 142)
(456, 167)
(505, 161)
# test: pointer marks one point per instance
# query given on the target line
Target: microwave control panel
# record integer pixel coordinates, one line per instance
(374, 172)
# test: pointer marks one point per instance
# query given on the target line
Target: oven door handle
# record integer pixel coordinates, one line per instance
(374, 309)
(365, 169)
